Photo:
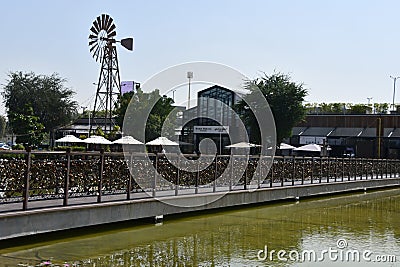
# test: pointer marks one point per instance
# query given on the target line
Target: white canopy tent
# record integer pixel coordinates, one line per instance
(162, 141)
(69, 139)
(284, 146)
(95, 139)
(309, 148)
(243, 145)
(127, 140)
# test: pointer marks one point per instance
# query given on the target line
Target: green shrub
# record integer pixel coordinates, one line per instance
(73, 148)
(18, 147)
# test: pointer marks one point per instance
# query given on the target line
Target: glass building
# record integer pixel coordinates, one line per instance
(212, 118)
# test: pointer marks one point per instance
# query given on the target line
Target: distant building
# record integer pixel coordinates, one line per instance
(367, 135)
(81, 126)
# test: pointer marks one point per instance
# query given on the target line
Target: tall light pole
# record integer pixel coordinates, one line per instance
(189, 76)
(394, 88)
(173, 95)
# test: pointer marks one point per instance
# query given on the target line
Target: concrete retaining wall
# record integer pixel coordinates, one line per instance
(23, 223)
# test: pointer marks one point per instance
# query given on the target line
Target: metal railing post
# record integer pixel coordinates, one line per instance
(260, 174)
(336, 174)
(342, 169)
(155, 176)
(215, 174)
(390, 168)
(28, 160)
(283, 170)
(66, 181)
(362, 168)
(196, 189)
(100, 186)
(293, 169)
(320, 169)
(271, 180)
(245, 172)
(329, 170)
(355, 169)
(349, 166)
(302, 170)
(312, 169)
(231, 178)
(177, 176)
(386, 168)
(129, 185)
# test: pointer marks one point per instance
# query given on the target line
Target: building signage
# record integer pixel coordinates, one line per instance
(305, 140)
(211, 129)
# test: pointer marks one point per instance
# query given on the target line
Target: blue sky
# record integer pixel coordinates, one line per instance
(343, 51)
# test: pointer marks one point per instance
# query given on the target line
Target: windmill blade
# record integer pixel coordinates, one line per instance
(99, 22)
(96, 25)
(103, 21)
(106, 21)
(111, 28)
(110, 22)
(92, 42)
(112, 34)
(93, 47)
(92, 36)
(93, 30)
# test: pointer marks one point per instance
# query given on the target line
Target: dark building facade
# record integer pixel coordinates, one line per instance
(367, 135)
(212, 118)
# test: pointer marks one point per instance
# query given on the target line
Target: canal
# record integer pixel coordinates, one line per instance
(342, 230)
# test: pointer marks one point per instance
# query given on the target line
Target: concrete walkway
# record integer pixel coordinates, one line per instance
(49, 215)
(159, 194)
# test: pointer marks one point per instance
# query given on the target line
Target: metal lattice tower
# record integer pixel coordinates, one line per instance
(102, 47)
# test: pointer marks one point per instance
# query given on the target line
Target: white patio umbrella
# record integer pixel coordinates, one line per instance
(284, 146)
(309, 148)
(95, 139)
(243, 145)
(127, 140)
(69, 139)
(162, 141)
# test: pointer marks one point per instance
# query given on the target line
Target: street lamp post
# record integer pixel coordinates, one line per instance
(394, 88)
(189, 76)
(173, 95)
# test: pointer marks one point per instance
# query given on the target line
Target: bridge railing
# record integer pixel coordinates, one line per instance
(27, 176)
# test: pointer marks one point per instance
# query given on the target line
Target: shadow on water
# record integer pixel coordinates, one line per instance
(230, 238)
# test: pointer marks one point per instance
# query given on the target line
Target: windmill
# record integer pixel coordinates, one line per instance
(103, 49)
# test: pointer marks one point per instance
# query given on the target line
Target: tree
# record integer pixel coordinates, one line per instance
(121, 107)
(27, 127)
(3, 126)
(50, 100)
(286, 102)
(381, 108)
(360, 109)
(138, 109)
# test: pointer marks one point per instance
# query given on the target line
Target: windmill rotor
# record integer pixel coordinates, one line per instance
(102, 33)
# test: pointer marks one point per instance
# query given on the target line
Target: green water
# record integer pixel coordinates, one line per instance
(366, 222)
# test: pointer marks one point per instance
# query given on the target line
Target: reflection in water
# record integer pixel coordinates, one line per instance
(233, 238)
